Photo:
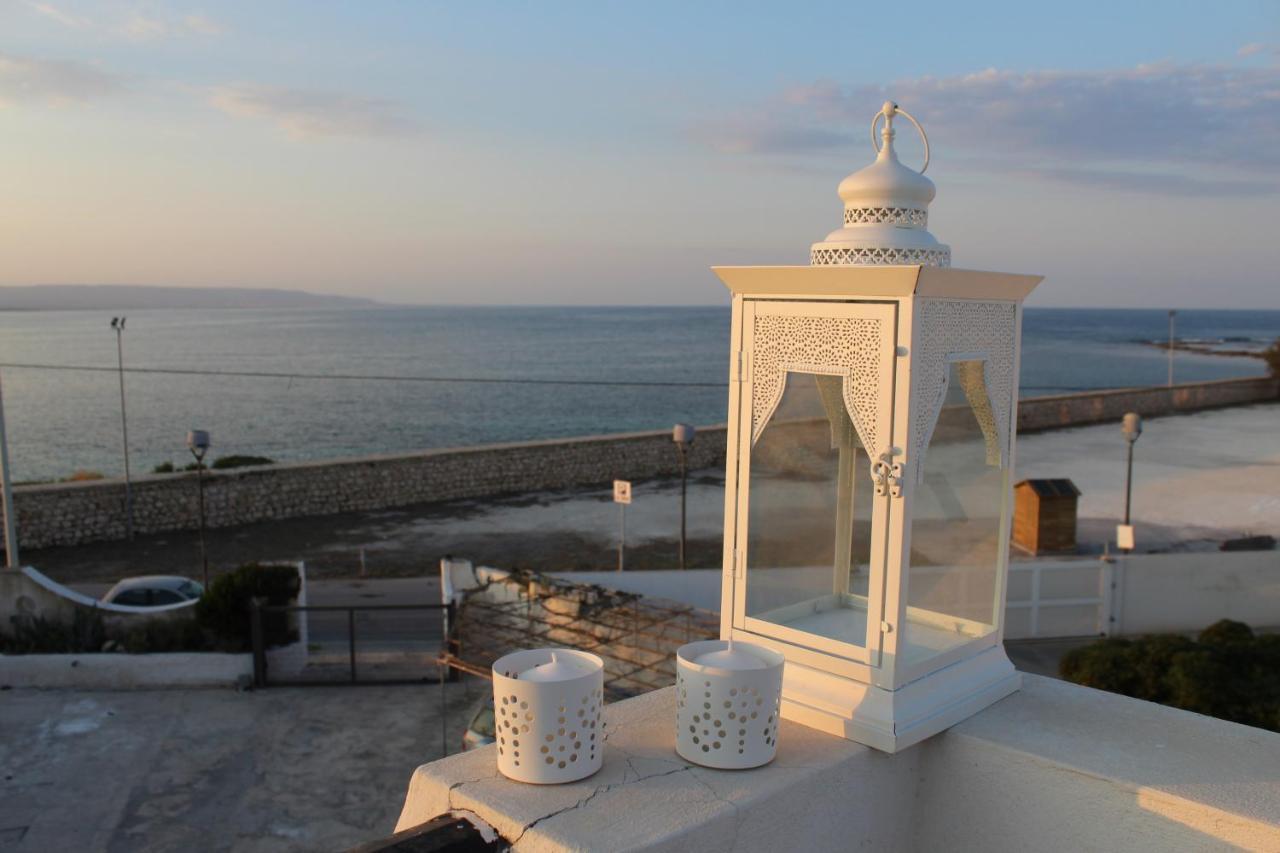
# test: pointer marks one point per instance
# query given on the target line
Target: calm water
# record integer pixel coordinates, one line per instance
(62, 421)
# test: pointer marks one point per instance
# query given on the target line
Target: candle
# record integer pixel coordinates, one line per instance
(554, 670)
(731, 658)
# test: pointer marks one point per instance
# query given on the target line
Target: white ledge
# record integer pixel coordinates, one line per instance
(1053, 767)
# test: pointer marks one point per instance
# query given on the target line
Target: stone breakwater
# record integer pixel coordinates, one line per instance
(77, 513)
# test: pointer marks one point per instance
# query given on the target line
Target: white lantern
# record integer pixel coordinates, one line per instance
(871, 431)
(547, 706)
(727, 697)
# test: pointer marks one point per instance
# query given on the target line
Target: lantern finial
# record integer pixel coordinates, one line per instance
(886, 209)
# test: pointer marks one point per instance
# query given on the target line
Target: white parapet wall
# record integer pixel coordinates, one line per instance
(126, 672)
(1054, 767)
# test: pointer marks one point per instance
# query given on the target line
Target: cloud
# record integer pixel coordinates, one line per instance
(1161, 183)
(141, 27)
(203, 25)
(1173, 115)
(52, 81)
(307, 112)
(1251, 49)
(67, 19)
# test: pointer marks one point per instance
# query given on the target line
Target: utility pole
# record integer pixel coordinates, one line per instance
(1172, 314)
(117, 323)
(6, 491)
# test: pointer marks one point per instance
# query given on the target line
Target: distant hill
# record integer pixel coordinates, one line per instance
(123, 297)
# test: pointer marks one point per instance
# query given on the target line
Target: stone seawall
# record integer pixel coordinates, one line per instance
(1068, 410)
(76, 513)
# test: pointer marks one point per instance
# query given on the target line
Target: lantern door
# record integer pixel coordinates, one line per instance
(953, 553)
(814, 419)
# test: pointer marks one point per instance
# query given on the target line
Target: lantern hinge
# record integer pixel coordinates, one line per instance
(742, 366)
(739, 565)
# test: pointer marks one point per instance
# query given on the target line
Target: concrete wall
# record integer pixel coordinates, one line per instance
(126, 672)
(76, 513)
(1054, 767)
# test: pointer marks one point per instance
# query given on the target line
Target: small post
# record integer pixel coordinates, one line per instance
(259, 649)
(6, 497)
(682, 435)
(117, 323)
(444, 719)
(198, 443)
(622, 538)
(622, 497)
(351, 640)
(1132, 428)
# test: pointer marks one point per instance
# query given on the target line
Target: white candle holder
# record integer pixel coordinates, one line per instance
(727, 707)
(547, 706)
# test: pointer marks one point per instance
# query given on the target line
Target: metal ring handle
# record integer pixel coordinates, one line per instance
(900, 111)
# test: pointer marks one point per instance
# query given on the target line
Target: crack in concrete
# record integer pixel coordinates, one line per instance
(602, 789)
(737, 812)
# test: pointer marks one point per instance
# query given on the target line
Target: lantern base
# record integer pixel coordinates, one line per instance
(892, 720)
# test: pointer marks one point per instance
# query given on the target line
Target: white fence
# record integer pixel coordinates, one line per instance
(1078, 597)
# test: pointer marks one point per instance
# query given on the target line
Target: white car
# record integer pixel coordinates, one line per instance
(153, 591)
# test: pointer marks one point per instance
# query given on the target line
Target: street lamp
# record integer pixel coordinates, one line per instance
(1132, 428)
(198, 444)
(1172, 315)
(117, 323)
(682, 435)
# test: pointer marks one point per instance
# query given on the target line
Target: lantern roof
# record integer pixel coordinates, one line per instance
(886, 209)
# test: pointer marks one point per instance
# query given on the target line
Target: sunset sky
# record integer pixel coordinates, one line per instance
(604, 153)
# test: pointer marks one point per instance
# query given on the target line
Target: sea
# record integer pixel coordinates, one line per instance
(641, 368)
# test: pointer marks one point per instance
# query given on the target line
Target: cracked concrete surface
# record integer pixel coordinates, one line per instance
(645, 796)
(281, 769)
(1019, 775)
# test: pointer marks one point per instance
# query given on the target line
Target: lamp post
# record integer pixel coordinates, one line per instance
(682, 435)
(6, 496)
(198, 444)
(1132, 428)
(1172, 314)
(117, 323)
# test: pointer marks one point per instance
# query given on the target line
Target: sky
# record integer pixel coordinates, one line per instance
(609, 153)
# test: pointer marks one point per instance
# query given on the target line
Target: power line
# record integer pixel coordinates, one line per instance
(483, 380)
(176, 371)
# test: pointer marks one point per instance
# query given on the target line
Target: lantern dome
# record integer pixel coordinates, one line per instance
(886, 210)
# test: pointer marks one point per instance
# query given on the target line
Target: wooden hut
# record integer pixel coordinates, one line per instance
(1044, 516)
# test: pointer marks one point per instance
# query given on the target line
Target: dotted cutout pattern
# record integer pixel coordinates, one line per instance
(874, 256)
(574, 734)
(912, 216)
(725, 719)
(852, 347)
(950, 326)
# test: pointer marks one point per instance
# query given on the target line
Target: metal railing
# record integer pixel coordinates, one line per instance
(261, 676)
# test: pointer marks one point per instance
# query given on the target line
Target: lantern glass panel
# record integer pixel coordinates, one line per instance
(809, 527)
(953, 581)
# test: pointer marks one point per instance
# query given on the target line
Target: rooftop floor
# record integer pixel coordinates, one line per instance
(285, 769)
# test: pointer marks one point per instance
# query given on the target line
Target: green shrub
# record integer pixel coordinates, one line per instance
(1105, 665)
(240, 461)
(1226, 672)
(36, 635)
(181, 634)
(163, 468)
(1272, 357)
(224, 609)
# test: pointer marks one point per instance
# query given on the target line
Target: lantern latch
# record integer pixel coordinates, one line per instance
(887, 476)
